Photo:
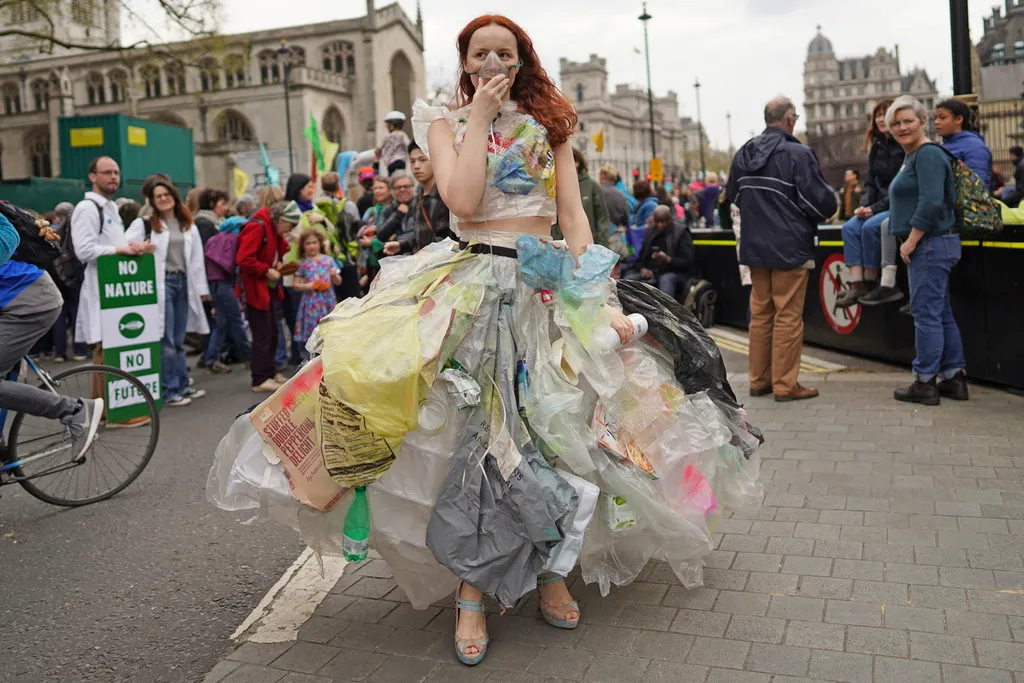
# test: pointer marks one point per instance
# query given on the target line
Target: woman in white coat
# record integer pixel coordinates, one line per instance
(181, 284)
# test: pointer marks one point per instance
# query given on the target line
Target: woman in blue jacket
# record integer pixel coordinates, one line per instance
(957, 125)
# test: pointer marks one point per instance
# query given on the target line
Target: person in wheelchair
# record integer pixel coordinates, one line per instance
(29, 304)
(666, 257)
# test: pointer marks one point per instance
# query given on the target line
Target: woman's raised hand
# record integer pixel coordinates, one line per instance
(487, 100)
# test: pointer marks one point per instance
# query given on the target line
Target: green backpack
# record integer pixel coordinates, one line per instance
(978, 216)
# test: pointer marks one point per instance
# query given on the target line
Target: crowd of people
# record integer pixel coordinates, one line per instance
(243, 282)
(251, 281)
(247, 281)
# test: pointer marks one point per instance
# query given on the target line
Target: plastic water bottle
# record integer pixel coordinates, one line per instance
(355, 544)
(608, 338)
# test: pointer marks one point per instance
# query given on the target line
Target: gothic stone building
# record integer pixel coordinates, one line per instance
(839, 95)
(229, 90)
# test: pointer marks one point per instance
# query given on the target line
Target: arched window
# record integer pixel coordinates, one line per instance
(338, 57)
(118, 86)
(233, 126)
(82, 12)
(234, 71)
(12, 100)
(209, 75)
(151, 77)
(24, 13)
(270, 70)
(175, 78)
(296, 56)
(38, 147)
(95, 88)
(334, 126)
(402, 77)
(579, 92)
(40, 95)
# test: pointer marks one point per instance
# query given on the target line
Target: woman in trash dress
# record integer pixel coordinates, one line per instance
(498, 511)
(507, 419)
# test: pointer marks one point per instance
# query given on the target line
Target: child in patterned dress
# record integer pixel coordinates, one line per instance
(316, 278)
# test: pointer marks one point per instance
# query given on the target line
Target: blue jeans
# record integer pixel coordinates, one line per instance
(227, 323)
(936, 336)
(175, 371)
(862, 241)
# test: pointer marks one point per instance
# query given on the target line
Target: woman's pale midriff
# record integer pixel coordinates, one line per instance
(532, 225)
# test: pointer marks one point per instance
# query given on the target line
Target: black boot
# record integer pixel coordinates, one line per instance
(881, 295)
(955, 388)
(919, 392)
(850, 296)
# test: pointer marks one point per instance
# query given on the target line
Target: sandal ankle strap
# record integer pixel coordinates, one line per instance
(547, 577)
(469, 605)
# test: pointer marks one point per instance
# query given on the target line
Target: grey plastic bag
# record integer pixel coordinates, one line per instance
(503, 509)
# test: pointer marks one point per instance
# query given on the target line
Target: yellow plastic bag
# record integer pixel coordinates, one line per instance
(372, 363)
(373, 353)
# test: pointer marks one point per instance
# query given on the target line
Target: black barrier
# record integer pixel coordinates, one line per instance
(987, 288)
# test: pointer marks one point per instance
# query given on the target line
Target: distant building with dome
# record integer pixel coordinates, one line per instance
(839, 94)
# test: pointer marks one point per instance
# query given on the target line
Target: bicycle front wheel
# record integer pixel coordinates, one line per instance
(116, 457)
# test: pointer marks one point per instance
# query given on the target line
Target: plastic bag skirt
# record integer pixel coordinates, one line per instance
(519, 440)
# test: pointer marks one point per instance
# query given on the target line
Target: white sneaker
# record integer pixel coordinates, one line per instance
(177, 401)
(194, 393)
(83, 426)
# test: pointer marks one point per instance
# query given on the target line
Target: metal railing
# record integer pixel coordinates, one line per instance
(1002, 125)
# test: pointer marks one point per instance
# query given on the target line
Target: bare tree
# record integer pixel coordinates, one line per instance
(181, 20)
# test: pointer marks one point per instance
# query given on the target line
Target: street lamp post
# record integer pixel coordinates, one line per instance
(644, 18)
(961, 39)
(285, 57)
(700, 131)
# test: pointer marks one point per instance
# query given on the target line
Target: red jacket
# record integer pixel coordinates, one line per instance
(259, 248)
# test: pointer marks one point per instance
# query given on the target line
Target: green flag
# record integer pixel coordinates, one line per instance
(312, 134)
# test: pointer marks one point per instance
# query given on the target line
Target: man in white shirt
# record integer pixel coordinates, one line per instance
(96, 230)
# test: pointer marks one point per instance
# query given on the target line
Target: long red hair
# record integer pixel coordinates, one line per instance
(533, 89)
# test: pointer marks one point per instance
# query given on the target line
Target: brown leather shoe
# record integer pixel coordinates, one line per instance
(799, 394)
(763, 391)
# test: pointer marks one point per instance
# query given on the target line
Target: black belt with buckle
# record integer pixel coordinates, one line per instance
(479, 248)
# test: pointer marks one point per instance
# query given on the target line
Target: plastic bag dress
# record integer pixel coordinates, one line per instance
(521, 439)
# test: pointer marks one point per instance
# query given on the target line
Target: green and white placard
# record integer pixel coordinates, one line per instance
(130, 331)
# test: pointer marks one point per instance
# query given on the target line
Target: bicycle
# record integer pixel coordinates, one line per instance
(49, 461)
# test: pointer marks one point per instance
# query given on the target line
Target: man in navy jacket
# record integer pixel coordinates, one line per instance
(782, 196)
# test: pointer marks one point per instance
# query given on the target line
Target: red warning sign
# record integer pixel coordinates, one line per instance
(832, 284)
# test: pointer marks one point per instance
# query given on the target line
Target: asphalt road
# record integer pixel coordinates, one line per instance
(147, 586)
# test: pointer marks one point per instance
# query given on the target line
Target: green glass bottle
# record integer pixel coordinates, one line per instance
(356, 542)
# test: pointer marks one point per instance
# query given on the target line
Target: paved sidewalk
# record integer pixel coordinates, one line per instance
(889, 548)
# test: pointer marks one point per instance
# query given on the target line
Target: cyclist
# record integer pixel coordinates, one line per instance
(29, 304)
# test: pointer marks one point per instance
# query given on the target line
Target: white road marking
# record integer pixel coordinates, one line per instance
(290, 602)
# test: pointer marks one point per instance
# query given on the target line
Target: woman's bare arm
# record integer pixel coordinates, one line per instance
(571, 217)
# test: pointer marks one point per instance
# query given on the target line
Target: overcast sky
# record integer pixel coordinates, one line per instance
(743, 51)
